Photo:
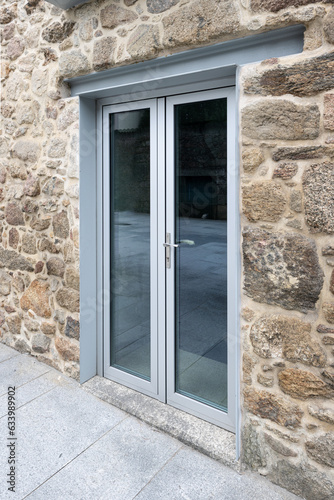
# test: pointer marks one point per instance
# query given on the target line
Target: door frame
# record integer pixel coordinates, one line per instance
(220, 61)
(207, 412)
(162, 384)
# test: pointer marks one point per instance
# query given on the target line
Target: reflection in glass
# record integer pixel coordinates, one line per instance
(130, 242)
(201, 259)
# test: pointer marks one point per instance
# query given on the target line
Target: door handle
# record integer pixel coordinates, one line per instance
(168, 245)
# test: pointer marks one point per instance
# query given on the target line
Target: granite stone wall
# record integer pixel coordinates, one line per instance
(286, 191)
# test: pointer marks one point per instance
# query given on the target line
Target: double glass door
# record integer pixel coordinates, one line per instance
(168, 170)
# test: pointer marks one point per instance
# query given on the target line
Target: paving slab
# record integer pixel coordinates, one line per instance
(18, 370)
(192, 476)
(7, 353)
(116, 467)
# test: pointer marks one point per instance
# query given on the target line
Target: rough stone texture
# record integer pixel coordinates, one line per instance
(302, 479)
(40, 343)
(68, 298)
(13, 237)
(48, 328)
(57, 148)
(113, 15)
(14, 324)
(264, 404)
(276, 5)
(331, 283)
(329, 111)
(303, 153)
(263, 201)
(279, 447)
(282, 336)
(15, 47)
(40, 224)
(56, 267)
(54, 187)
(5, 283)
(104, 52)
(328, 27)
(324, 329)
(26, 150)
(248, 364)
(29, 244)
(318, 188)
(323, 414)
(252, 159)
(31, 186)
(13, 261)
(36, 297)
(67, 350)
(72, 279)
(265, 380)
(57, 32)
(321, 449)
(201, 21)
(328, 340)
(14, 215)
(281, 269)
(157, 6)
(285, 171)
(144, 42)
(73, 63)
(280, 119)
(328, 250)
(61, 225)
(328, 311)
(296, 201)
(306, 78)
(303, 385)
(22, 346)
(252, 449)
(72, 328)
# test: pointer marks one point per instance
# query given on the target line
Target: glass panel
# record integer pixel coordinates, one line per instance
(201, 259)
(130, 242)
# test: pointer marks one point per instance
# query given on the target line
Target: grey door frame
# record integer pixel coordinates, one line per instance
(213, 62)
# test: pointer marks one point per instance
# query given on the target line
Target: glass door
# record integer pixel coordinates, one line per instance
(130, 244)
(199, 162)
(169, 200)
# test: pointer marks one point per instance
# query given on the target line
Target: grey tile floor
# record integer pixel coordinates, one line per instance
(71, 445)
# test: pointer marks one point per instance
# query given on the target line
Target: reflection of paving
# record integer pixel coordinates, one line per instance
(201, 312)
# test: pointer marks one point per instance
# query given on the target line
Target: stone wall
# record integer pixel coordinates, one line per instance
(287, 150)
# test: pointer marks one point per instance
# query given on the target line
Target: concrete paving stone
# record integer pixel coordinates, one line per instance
(19, 370)
(116, 467)
(52, 430)
(7, 353)
(35, 388)
(192, 476)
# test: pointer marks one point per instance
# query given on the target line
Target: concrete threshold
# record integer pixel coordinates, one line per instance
(207, 438)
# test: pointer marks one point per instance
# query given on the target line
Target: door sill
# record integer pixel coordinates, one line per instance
(203, 436)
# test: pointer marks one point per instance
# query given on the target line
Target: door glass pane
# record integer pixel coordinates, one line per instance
(130, 242)
(201, 259)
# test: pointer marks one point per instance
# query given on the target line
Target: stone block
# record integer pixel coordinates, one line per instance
(279, 336)
(73, 63)
(36, 297)
(15, 47)
(144, 41)
(40, 343)
(56, 267)
(29, 243)
(157, 6)
(280, 120)
(5, 283)
(26, 150)
(57, 148)
(57, 32)
(321, 449)
(14, 215)
(329, 26)
(323, 414)
(14, 324)
(54, 186)
(72, 329)
(277, 5)
(252, 159)
(252, 449)
(302, 153)
(40, 224)
(61, 225)
(329, 111)
(48, 328)
(201, 22)
(285, 171)
(278, 446)
(328, 311)
(113, 16)
(31, 186)
(72, 278)
(263, 201)
(318, 189)
(302, 479)
(69, 299)
(302, 79)
(301, 384)
(14, 261)
(68, 350)
(264, 404)
(39, 81)
(104, 52)
(281, 269)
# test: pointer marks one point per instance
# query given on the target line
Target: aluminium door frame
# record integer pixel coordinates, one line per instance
(207, 412)
(154, 387)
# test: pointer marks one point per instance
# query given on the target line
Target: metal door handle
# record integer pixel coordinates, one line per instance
(170, 245)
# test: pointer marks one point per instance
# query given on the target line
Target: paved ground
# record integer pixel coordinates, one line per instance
(71, 445)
